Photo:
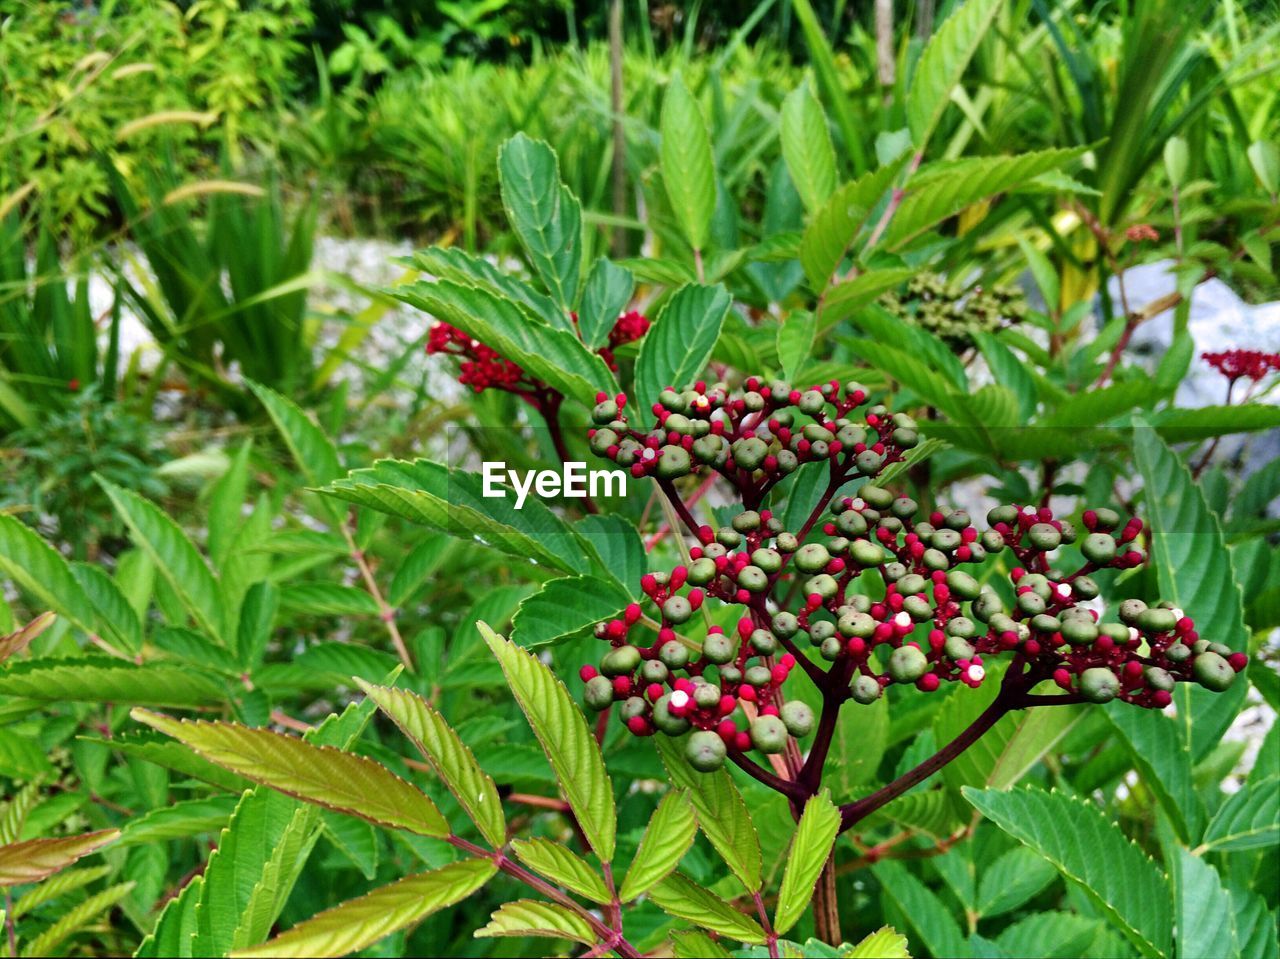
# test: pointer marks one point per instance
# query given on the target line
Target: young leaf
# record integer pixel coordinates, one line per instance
(312, 450)
(677, 348)
(562, 730)
(1011, 880)
(544, 214)
(885, 943)
(322, 775)
(1084, 845)
(448, 755)
(20, 639)
(688, 170)
(257, 617)
(671, 832)
(37, 859)
(606, 294)
(722, 815)
(832, 230)
(795, 341)
(174, 555)
(188, 817)
(815, 835)
(565, 607)
(1249, 819)
(807, 148)
(359, 923)
(680, 896)
(561, 865)
(943, 63)
(96, 679)
(74, 919)
(327, 599)
(451, 263)
(527, 917)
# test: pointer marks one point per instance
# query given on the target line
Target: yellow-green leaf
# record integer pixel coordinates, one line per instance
(359, 923)
(680, 896)
(561, 865)
(885, 943)
(322, 775)
(688, 169)
(528, 917)
(35, 859)
(815, 835)
(671, 832)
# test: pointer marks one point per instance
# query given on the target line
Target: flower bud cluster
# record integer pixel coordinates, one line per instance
(953, 313)
(918, 617)
(1243, 364)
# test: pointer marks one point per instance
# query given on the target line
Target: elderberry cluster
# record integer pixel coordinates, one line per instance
(883, 594)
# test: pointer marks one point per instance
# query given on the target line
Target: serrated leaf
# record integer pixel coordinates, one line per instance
(807, 148)
(527, 917)
(815, 836)
(188, 817)
(562, 730)
(327, 599)
(43, 573)
(833, 229)
(1195, 572)
(606, 294)
(1009, 372)
(885, 943)
(1161, 752)
(355, 839)
(1202, 909)
(1054, 934)
(359, 923)
(36, 859)
(943, 63)
(452, 263)
(847, 297)
(321, 775)
(697, 945)
(565, 607)
(312, 450)
(679, 344)
(448, 755)
(795, 341)
(452, 501)
(1084, 845)
(75, 919)
(680, 896)
(1012, 879)
(96, 679)
(544, 214)
(933, 921)
(60, 884)
(562, 866)
(722, 815)
(555, 356)
(688, 169)
(173, 554)
(118, 620)
(935, 195)
(670, 833)
(1249, 819)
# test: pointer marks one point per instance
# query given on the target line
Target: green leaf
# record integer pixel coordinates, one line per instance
(448, 755)
(1057, 934)
(556, 357)
(943, 63)
(37, 859)
(933, 921)
(43, 574)
(814, 839)
(189, 817)
(327, 599)
(943, 190)
(528, 917)
(545, 215)
(74, 919)
(1195, 573)
(453, 501)
(1249, 819)
(559, 864)
(795, 341)
(885, 943)
(257, 617)
(693, 944)
(359, 923)
(355, 839)
(562, 730)
(688, 170)
(173, 554)
(451, 263)
(1009, 372)
(322, 775)
(97, 679)
(564, 608)
(680, 896)
(846, 298)
(1187, 426)
(1085, 846)
(1161, 751)
(834, 228)
(807, 147)
(722, 815)
(677, 347)
(1202, 909)
(605, 296)
(116, 617)
(670, 833)
(312, 450)
(861, 736)
(1011, 880)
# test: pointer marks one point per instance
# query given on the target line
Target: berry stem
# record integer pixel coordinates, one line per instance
(669, 491)
(792, 790)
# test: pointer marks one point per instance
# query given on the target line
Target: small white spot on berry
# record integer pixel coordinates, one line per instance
(977, 673)
(902, 619)
(679, 699)
(1177, 613)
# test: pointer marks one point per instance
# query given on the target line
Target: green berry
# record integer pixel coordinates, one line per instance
(907, 664)
(1158, 678)
(767, 559)
(1212, 671)
(1078, 632)
(718, 648)
(758, 676)
(604, 412)
(1085, 587)
(702, 571)
(866, 553)
(705, 751)
(677, 610)
(654, 671)
(831, 649)
(797, 717)
(991, 541)
(785, 625)
(728, 536)
(811, 402)
(821, 630)
(1130, 610)
(664, 721)
(1178, 653)
(621, 661)
(1044, 536)
(918, 609)
(911, 583)
(962, 585)
(868, 463)
(851, 523)
(598, 694)
(764, 642)
(769, 734)
(822, 584)
(958, 648)
(856, 624)
(1098, 548)
(753, 579)
(601, 440)
(706, 695)
(1030, 603)
(1099, 685)
(945, 540)
(963, 627)
(876, 496)
(747, 521)
(786, 543)
(673, 462)
(1157, 620)
(750, 453)
(812, 558)
(1003, 514)
(865, 689)
(633, 706)
(709, 449)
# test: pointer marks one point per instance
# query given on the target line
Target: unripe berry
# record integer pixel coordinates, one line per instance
(907, 664)
(706, 695)
(767, 559)
(785, 625)
(822, 585)
(991, 541)
(1099, 685)
(747, 522)
(1098, 548)
(1045, 537)
(1158, 678)
(1130, 610)
(621, 661)
(598, 694)
(865, 689)
(865, 553)
(673, 654)
(1156, 620)
(797, 717)
(764, 642)
(876, 496)
(673, 462)
(665, 721)
(963, 585)
(1212, 671)
(812, 558)
(753, 579)
(869, 463)
(811, 402)
(748, 454)
(769, 734)
(1079, 632)
(958, 648)
(1178, 653)
(718, 648)
(633, 706)
(758, 676)
(677, 610)
(654, 671)
(705, 751)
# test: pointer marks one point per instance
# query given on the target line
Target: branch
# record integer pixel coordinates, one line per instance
(791, 790)
(669, 490)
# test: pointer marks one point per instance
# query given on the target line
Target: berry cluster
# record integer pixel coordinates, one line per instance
(755, 438)
(1243, 364)
(954, 314)
(484, 368)
(883, 593)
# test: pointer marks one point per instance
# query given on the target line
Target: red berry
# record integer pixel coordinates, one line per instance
(587, 673)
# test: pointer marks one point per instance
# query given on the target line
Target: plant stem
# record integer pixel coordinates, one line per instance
(792, 790)
(617, 237)
(770, 937)
(669, 490)
(385, 611)
(826, 907)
